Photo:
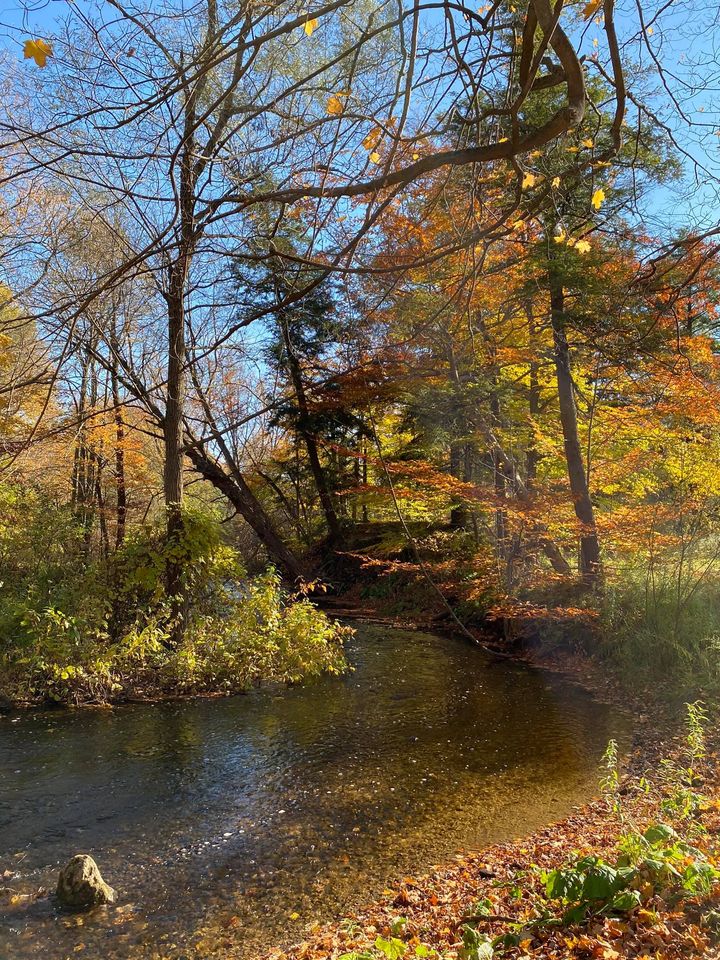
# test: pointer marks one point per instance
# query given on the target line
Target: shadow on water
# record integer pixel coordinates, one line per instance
(217, 819)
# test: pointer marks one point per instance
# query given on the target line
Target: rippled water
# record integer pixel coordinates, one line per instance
(216, 820)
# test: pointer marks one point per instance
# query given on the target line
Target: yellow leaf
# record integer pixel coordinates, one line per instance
(294, 916)
(650, 31)
(597, 198)
(582, 246)
(311, 26)
(591, 8)
(560, 237)
(335, 105)
(416, 156)
(519, 225)
(528, 180)
(38, 50)
(503, 140)
(573, 149)
(375, 157)
(372, 139)
(588, 143)
(556, 182)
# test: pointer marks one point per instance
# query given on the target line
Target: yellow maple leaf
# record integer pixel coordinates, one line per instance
(37, 50)
(556, 182)
(560, 237)
(598, 198)
(582, 246)
(588, 143)
(335, 105)
(591, 8)
(311, 26)
(372, 139)
(528, 180)
(416, 156)
(573, 149)
(519, 225)
(375, 157)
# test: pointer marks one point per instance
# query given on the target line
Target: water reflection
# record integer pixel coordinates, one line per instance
(216, 819)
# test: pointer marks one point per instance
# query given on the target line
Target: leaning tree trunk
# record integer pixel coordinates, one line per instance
(239, 494)
(590, 561)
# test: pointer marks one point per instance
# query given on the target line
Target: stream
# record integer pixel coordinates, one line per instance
(227, 825)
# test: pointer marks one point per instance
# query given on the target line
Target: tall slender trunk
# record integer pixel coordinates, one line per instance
(120, 483)
(532, 457)
(173, 424)
(590, 560)
(316, 468)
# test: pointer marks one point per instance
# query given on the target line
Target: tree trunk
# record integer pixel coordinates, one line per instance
(590, 561)
(173, 432)
(532, 457)
(316, 468)
(120, 484)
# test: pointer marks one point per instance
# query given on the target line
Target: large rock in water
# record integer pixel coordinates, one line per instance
(80, 885)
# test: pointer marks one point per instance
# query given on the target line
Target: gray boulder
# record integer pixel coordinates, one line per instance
(80, 885)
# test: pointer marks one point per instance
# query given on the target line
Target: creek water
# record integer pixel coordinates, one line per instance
(219, 821)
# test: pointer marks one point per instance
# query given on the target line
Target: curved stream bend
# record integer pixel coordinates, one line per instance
(217, 819)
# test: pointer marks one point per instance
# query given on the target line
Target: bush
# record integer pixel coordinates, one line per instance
(76, 630)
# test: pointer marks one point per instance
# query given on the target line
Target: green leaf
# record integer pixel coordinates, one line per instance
(659, 833)
(393, 948)
(601, 883)
(625, 901)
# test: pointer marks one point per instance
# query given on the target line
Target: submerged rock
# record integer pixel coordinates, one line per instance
(80, 884)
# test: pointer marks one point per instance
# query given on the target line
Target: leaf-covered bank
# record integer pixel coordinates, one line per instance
(633, 874)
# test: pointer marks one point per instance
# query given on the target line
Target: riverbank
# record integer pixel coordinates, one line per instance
(495, 902)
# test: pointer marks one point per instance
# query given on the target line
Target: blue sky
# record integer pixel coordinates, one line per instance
(685, 39)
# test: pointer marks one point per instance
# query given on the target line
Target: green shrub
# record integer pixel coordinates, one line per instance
(77, 630)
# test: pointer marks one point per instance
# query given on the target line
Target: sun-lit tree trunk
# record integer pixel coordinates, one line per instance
(590, 560)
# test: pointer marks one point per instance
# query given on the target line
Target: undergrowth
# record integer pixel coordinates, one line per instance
(79, 631)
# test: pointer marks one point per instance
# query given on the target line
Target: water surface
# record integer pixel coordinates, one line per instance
(216, 820)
